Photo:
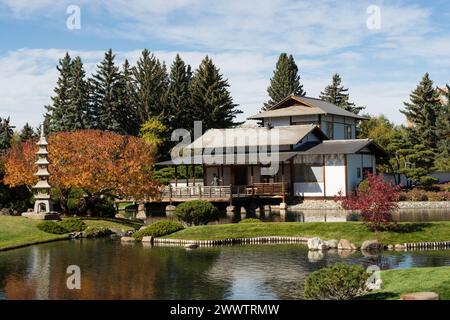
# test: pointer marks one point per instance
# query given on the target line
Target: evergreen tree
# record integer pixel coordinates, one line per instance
(336, 94)
(6, 134)
(422, 113)
(78, 114)
(211, 101)
(178, 111)
(151, 86)
(27, 133)
(127, 101)
(54, 117)
(284, 82)
(442, 162)
(105, 95)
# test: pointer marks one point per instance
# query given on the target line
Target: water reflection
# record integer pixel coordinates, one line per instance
(111, 270)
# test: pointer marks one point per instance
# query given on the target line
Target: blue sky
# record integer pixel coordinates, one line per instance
(244, 38)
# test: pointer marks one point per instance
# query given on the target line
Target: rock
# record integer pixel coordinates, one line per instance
(316, 244)
(283, 205)
(5, 212)
(141, 215)
(390, 247)
(353, 246)
(231, 209)
(314, 256)
(119, 216)
(420, 296)
(345, 245)
(127, 239)
(371, 245)
(129, 233)
(243, 210)
(191, 246)
(399, 247)
(147, 239)
(332, 244)
(75, 235)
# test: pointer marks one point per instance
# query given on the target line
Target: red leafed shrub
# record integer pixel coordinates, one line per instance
(376, 200)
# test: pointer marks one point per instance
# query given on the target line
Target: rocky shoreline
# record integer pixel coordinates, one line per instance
(332, 205)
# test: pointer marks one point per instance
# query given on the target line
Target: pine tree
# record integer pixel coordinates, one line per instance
(129, 121)
(105, 94)
(6, 134)
(151, 86)
(78, 115)
(57, 110)
(336, 94)
(178, 113)
(422, 113)
(284, 82)
(211, 101)
(442, 162)
(27, 133)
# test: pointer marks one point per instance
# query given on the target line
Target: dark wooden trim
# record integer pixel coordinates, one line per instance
(252, 181)
(291, 173)
(323, 176)
(176, 176)
(204, 174)
(290, 120)
(346, 176)
(221, 174)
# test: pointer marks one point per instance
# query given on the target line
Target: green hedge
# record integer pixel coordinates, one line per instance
(73, 224)
(196, 212)
(96, 232)
(52, 227)
(159, 229)
(337, 282)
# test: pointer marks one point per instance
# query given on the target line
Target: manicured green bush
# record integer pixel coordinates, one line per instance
(73, 224)
(250, 220)
(96, 232)
(196, 212)
(52, 227)
(337, 282)
(159, 229)
(354, 216)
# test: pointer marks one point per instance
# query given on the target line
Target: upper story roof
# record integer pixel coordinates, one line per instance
(299, 106)
(258, 136)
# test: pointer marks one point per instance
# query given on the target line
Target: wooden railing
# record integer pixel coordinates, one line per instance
(256, 189)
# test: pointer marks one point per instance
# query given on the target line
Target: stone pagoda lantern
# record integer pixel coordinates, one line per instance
(43, 208)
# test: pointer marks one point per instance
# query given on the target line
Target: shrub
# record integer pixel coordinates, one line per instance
(438, 196)
(159, 229)
(73, 224)
(250, 220)
(337, 282)
(354, 216)
(417, 195)
(196, 212)
(96, 232)
(52, 227)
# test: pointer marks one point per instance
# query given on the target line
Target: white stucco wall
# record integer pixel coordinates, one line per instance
(334, 175)
(308, 189)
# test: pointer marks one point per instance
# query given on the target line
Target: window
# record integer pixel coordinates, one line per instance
(348, 131)
(308, 169)
(330, 129)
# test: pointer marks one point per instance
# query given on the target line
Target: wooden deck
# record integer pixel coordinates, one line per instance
(223, 193)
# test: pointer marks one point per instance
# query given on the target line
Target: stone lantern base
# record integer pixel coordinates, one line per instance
(42, 216)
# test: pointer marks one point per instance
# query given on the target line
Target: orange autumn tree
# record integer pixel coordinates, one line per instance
(100, 163)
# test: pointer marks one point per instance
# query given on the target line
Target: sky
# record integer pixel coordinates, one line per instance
(381, 49)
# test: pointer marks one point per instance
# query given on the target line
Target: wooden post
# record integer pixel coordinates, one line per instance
(282, 182)
(187, 175)
(193, 174)
(221, 174)
(251, 174)
(176, 177)
(323, 177)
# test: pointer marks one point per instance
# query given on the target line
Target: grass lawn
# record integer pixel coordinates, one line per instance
(355, 232)
(20, 231)
(17, 231)
(400, 281)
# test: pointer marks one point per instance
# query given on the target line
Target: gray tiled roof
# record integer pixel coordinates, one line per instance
(304, 106)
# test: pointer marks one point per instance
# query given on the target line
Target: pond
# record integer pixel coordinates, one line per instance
(112, 270)
(403, 215)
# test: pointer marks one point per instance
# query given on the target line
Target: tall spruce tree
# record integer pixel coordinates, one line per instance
(27, 133)
(178, 111)
(442, 162)
(55, 116)
(284, 82)
(6, 134)
(78, 114)
(105, 95)
(422, 112)
(151, 86)
(336, 94)
(211, 101)
(127, 100)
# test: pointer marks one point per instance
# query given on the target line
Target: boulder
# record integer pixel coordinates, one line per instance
(390, 247)
(231, 209)
(75, 235)
(316, 244)
(141, 215)
(371, 245)
(119, 216)
(5, 212)
(332, 244)
(420, 296)
(147, 239)
(127, 239)
(344, 244)
(399, 247)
